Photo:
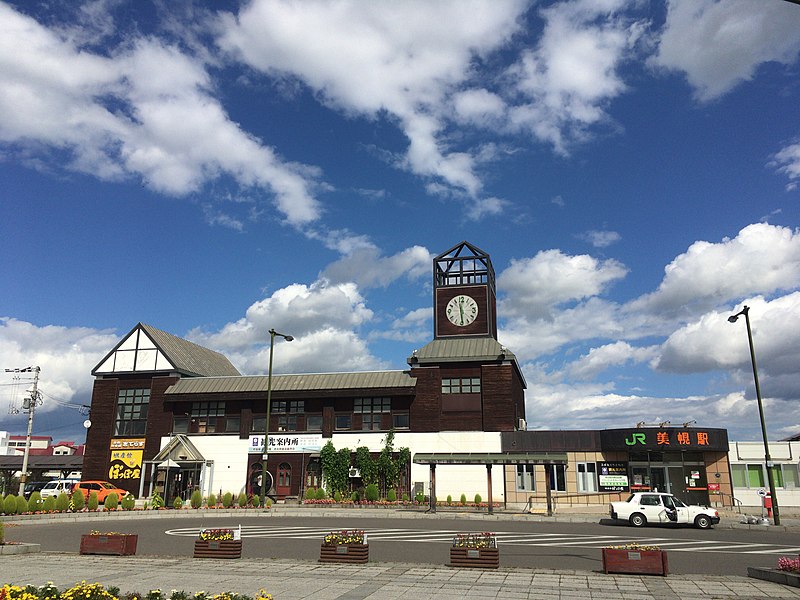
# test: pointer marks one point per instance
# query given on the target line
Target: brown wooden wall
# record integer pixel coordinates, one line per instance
(499, 407)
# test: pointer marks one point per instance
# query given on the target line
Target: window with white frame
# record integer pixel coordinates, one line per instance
(587, 477)
(526, 478)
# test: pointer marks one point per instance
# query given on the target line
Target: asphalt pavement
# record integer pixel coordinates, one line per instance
(289, 579)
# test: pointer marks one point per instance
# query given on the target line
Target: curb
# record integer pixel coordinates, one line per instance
(19, 548)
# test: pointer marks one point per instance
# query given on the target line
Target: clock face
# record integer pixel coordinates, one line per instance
(461, 310)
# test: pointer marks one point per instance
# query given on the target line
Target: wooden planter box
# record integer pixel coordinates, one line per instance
(116, 544)
(218, 548)
(639, 562)
(481, 558)
(344, 553)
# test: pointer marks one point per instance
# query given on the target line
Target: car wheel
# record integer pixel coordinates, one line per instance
(702, 522)
(638, 520)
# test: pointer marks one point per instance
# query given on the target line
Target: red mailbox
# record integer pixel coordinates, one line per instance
(768, 504)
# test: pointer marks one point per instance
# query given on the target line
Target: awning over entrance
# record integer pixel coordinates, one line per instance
(492, 458)
(489, 458)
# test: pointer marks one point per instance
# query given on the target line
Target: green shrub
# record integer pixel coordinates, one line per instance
(354, 496)
(35, 502)
(212, 500)
(227, 500)
(196, 499)
(78, 501)
(128, 502)
(156, 501)
(449, 499)
(321, 494)
(93, 502)
(420, 498)
(269, 502)
(337, 496)
(49, 504)
(391, 495)
(22, 505)
(111, 502)
(478, 499)
(242, 500)
(310, 494)
(405, 497)
(177, 504)
(463, 499)
(371, 492)
(62, 502)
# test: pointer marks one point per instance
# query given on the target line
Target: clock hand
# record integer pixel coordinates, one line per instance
(461, 309)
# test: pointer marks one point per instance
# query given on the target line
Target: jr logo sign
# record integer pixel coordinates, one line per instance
(636, 438)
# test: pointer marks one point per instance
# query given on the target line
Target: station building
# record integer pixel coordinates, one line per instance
(170, 415)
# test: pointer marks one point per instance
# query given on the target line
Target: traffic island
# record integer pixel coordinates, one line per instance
(774, 575)
(19, 548)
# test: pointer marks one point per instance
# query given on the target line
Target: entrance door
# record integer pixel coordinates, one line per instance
(284, 487)
(658, 479)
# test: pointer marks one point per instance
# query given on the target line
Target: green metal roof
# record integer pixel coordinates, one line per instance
(311, 382)
(491, 458)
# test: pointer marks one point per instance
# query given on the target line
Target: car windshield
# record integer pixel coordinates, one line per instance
(106, 485)
(678, 503)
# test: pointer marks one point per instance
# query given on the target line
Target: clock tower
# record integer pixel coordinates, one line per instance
(464, 296)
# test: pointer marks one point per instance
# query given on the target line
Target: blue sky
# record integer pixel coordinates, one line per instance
(216, 170)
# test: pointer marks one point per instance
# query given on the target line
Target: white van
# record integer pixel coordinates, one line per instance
(56, 486)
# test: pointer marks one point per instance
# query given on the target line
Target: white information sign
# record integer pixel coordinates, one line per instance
(286, 442)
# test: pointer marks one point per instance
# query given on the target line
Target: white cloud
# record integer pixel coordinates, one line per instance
(573, 72)
(610, 355)
(66, 356)
(601, 239)
(145, 111)
(787, 161)
(479, 107)
(532, 286)
(761, 259)
(711, 342)
(405, 59)
(297, 310)
(720, 44)
(366, 267)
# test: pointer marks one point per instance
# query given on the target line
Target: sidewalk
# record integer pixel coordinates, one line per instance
(295, 580)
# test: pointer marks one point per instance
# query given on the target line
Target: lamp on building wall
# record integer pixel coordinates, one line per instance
(770, 478)
(265, 454)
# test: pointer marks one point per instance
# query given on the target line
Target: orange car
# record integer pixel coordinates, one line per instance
(103, 489)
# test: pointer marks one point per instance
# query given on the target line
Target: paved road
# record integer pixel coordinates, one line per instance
(426, 541)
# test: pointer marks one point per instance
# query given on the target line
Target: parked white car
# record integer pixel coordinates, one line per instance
(56, 486)
(642, 508)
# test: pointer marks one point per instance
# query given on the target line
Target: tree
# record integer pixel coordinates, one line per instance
(366, 465)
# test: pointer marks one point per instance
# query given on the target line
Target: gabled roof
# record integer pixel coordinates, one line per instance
(149, 350)
(310, 382)
(179, 448)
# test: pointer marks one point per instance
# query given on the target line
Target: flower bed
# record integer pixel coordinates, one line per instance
(475, 550)
(346, 546)
(635, 559)
(112, 543)
(787, 573)
(218, 543)
(95, 591)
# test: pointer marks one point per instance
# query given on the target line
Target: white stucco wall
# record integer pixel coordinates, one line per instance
(784, 453)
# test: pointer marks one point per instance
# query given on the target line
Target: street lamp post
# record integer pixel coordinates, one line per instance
(770, 478)
(265, 454)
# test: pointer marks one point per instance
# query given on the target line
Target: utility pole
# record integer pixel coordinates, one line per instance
(31, 406)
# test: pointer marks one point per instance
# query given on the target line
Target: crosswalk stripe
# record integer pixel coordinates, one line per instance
(511, 538)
